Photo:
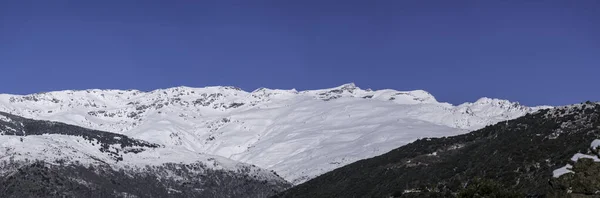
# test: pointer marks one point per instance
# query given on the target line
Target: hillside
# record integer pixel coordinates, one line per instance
(51, 159)
(298, 134)
(550, 153)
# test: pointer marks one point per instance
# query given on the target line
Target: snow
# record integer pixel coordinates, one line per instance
(53, 148)
(298, 134)
(576, 157)
(595, 144)
(579, 156)
(412, 191)
(561, 171)
(5, 119)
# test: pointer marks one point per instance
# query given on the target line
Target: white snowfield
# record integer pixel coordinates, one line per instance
(300, 135)
(55, 149)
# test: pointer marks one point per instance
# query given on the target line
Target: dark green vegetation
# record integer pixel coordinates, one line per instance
(510, 159)
(39, 179)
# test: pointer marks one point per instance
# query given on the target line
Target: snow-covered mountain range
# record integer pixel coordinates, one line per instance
(298, 134)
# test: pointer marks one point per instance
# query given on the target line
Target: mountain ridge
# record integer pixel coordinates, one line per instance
(345, 86)
(281, 130)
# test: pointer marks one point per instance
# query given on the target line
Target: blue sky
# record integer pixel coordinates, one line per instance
(534, 52)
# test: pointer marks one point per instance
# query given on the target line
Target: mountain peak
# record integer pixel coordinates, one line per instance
(486, 100)
(422, 95)
(348, 86)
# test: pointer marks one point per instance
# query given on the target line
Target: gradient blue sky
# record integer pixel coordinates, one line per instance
(534, 52)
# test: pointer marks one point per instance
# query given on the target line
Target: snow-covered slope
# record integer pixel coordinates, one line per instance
(298, 134)
(74, 160)
(53, 142)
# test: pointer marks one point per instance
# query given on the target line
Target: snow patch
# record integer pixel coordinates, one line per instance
(595, 144)
(579, 156)
(563, 170)
(5, 119)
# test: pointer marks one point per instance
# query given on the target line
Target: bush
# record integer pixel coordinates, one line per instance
(486, 188)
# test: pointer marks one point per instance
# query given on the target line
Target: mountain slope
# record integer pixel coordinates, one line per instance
(42, 158)
(299, 134)
(533, 156)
